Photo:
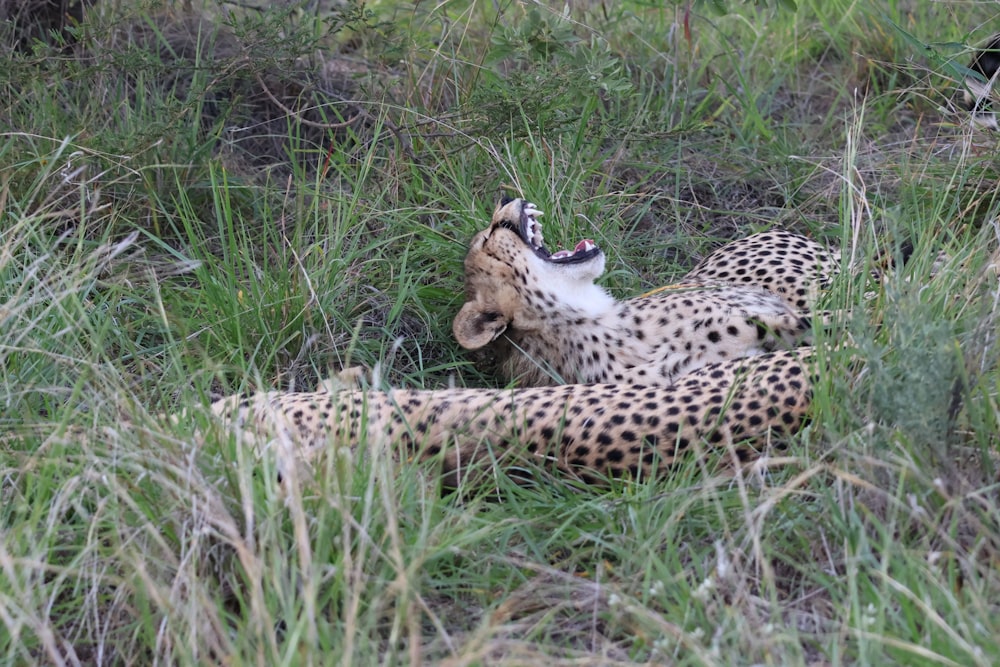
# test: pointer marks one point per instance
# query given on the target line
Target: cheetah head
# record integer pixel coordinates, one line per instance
(513, 281)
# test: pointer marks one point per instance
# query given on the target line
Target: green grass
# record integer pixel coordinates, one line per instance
(168, 235)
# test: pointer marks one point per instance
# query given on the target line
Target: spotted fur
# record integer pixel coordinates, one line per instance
(790, 265)
(686, 368)
(589, 431)
(547, 322)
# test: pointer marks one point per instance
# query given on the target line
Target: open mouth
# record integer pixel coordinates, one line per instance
(530, 231)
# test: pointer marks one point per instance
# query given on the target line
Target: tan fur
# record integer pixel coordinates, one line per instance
(591, 431)
(669, 368)
(548, 322)
(792, 266)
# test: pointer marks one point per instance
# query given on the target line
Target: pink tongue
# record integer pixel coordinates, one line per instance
(582, 245)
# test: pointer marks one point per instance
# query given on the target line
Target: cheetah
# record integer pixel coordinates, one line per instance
(693, 366)
(790, 265)
(978, 94)
(590, 432)
(547, 321)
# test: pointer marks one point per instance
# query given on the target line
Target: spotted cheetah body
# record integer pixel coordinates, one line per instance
(786, 264)
(589, 431)
(654, 377)
(547, 321)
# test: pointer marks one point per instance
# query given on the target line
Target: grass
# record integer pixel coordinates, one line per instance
(168, 234)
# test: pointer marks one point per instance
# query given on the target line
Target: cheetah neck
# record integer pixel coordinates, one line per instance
(590, 343)
(571, 301)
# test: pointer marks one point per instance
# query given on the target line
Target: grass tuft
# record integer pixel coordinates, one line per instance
(201, 200)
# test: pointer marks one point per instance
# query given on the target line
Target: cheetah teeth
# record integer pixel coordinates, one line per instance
(532, 213)
(537, 239)
(585, 245)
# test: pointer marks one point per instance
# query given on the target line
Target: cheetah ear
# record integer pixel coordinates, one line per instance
(476, 326)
